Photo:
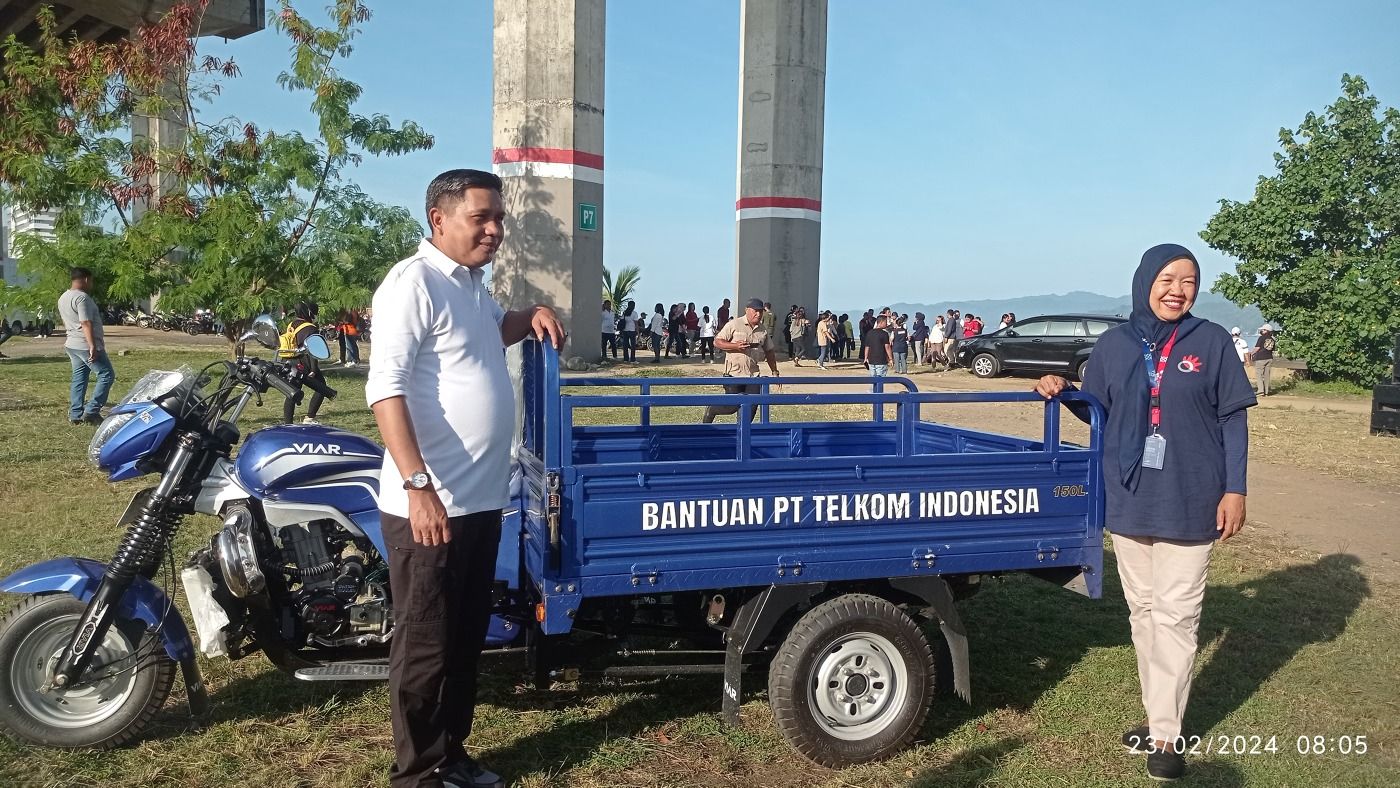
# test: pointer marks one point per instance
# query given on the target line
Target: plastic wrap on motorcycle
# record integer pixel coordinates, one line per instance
(80, 577)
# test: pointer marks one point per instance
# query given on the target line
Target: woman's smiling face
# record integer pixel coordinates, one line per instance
(1174, 290)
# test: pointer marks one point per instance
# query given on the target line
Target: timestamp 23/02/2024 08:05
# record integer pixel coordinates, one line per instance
(1239, 744)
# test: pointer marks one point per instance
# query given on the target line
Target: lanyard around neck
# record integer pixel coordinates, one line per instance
(1154, 380)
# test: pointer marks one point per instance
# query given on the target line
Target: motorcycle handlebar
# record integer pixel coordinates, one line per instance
(275, 381)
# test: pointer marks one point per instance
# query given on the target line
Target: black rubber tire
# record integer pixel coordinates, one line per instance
(791, 679)
(990, 369)
(152, 681)
(1080, 370)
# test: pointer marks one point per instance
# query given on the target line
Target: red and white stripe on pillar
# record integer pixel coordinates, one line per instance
(547, 163)
(778, 208)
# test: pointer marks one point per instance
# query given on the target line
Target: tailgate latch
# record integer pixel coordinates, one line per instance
(922, 557)
(645, 575)
(789, 566)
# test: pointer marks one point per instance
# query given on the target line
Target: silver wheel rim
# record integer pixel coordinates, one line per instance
(859, 686)
(982, 366)
(80, 706)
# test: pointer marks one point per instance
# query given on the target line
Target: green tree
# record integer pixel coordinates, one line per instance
(230, 217)
(620, 289)
(1317, 246)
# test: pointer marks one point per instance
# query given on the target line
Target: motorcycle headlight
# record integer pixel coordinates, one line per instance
(156, 384)
(104, 433)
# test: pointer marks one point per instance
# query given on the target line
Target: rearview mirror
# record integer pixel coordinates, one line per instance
(264, 329)
(317, 347)
(1011, 333)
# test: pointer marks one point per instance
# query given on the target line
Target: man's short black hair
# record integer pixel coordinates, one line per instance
(453, 185)
(76, 273)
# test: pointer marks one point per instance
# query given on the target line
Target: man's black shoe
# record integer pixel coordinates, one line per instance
(93, 418)
(469, 774)
(1165, 766)
(1137, 739)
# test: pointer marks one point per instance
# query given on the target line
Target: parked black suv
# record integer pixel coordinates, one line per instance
(1050, 343)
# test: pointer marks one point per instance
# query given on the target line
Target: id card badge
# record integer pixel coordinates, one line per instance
(1154, 452)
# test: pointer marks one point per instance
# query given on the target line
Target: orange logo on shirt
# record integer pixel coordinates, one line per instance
(1190, 364)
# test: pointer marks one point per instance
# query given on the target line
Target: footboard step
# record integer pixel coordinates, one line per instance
(347, 671)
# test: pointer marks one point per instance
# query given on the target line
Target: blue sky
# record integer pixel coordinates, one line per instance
(973, 149)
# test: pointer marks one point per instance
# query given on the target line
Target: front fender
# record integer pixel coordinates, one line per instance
(143, 601)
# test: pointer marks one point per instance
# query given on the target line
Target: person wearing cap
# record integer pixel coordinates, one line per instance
(1241, 346)
(1175, 455)
(745, 341)
(1263, 357)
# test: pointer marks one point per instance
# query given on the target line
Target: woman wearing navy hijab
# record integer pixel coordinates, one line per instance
(1175, 453)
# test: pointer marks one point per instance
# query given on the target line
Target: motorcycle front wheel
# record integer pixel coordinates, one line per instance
(111, 704)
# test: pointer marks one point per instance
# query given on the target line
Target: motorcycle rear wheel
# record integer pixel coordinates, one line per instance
(133, 679)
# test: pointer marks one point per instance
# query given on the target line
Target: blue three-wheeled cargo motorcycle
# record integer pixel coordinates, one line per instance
(812, 551)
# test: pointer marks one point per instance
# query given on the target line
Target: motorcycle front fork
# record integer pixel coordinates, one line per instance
(141, 547)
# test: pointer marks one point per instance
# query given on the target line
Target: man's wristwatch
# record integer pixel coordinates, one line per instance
(418, 481)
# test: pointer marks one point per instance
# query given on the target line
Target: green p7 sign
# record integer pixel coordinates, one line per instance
(587, 217)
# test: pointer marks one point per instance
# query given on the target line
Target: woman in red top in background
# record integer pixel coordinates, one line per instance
(348, 329)
(972, 327)
(692, 326)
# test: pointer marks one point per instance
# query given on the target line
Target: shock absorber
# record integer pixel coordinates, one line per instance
(143, 545)
(141, 549)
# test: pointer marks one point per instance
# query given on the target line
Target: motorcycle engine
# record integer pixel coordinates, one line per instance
(340, 601)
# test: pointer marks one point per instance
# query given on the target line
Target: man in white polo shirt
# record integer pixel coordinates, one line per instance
(442, 397)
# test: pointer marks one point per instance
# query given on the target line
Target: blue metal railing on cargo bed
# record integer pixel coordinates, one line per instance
(550, 422)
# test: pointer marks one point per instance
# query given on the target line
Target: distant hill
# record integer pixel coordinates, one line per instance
(1208, 305)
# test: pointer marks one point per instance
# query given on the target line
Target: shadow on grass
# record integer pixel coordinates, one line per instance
(1262, 623)
(20, 361)
(973, 767)
(572, 742)
(1025, 637)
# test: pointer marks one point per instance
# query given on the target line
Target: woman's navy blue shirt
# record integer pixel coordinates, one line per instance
(1203, 383)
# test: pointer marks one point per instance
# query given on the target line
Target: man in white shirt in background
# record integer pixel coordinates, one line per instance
(1241, 347)
(609, 330)
(442, 398)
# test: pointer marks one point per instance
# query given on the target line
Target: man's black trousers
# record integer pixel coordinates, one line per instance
(442, 604)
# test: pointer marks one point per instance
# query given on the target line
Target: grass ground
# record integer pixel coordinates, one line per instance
(1293, 644)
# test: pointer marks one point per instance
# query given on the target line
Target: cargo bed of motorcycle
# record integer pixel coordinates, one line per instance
(649, 507)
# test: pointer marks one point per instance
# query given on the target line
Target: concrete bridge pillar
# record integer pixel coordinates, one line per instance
(547, 135)
(782, 102)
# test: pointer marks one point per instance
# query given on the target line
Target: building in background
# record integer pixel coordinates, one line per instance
(13, 223)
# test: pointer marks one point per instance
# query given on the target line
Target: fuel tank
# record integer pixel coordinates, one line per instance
(306, 463)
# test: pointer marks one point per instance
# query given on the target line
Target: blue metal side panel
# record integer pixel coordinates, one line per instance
(80, 577)
(641, 504)
(877, 510)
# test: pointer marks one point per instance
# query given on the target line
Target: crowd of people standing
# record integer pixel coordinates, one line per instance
(684, 331)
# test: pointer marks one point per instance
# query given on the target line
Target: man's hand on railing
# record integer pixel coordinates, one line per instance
(1052, 386)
